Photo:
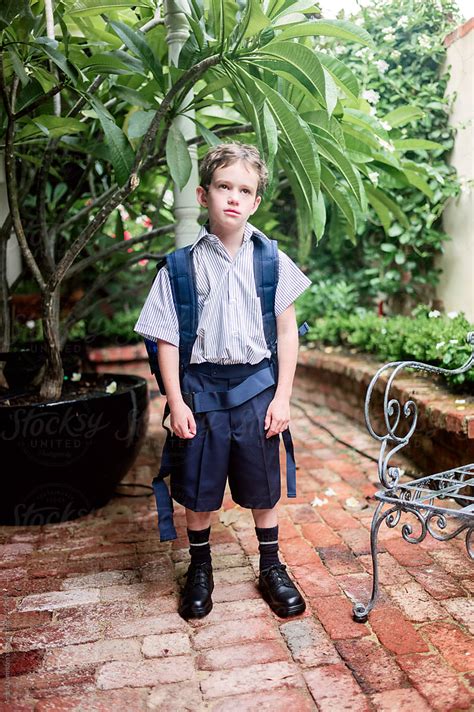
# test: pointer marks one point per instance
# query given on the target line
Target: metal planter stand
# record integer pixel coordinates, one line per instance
(442, 504)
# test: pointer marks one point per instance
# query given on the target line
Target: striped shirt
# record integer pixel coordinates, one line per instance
(230, 327)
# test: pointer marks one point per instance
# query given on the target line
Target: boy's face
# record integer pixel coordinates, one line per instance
(231, 197)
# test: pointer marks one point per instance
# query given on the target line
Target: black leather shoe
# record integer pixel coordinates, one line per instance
(280, 592)
(196, 601)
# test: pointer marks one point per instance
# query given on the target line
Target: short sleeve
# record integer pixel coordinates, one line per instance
(291, 283)
(158, 318)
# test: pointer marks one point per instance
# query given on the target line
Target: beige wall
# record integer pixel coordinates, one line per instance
(456, 288)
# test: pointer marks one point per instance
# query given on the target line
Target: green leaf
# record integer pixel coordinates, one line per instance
(254, 19)
(319, 215)
(394, 208)
(83, 8)
(344, 166)
(18, 67)
(330, 185)
(416, 180)
(177, 157)
(132, 96)
(49, 47)
(51, 126)
(388, 247)
(10, 9)
(139, 123)
(365, 121)
(136, 43)
(121, 154)
(403, 115)
(341, 74)
(412, 144)
(298, 138)
(299, 62)
(105, 64)
(209, 136)
(341, 29)
(271, 133)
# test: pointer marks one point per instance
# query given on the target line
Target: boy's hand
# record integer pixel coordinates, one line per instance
(277, 418)
(182, 421)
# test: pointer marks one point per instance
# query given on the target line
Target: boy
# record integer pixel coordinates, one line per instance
(240, 441)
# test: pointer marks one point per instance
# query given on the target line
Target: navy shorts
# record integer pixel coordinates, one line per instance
(228, 444)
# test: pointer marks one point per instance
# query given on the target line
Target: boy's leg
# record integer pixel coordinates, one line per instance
(196, 601)
(277, 588)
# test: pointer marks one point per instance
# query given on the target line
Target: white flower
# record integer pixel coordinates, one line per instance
(396, 54)
(76, 377)
(440, 344)
(385, 125)
(111, 388)
(371, 96)
(387, 31)
(123, 213)
(460, 401)
(389, 38)
(374, 177)
(386, 145)
(318, 502)
(359, 21)
(373, 111)
(30, 324)
(329, 492)
(339, 49)
(402, 21)
(381, 65)
(434, 314)
(454, 341)
(383, 331)
(452, 314)
(424, 41)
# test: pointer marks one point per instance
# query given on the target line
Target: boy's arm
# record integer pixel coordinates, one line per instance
(182, 419)
(277, 418)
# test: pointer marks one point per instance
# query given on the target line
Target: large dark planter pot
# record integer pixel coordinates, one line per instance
(62, 460)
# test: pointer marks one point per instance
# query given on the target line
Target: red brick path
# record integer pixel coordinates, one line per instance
(89, 615)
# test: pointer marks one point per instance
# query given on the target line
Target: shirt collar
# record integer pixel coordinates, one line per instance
(205, 234)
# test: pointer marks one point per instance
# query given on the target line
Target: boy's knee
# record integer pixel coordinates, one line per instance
(197, 520)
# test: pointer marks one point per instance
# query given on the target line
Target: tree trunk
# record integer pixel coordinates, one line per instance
(52, 382)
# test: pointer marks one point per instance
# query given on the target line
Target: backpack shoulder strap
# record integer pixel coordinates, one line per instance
(265, 265)
(183, 287)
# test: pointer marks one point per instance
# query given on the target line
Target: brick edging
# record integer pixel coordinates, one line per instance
(444, 436)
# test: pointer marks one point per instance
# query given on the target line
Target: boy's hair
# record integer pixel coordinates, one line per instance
(227, 153)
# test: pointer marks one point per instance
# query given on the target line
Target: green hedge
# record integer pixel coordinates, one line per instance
(426, 336)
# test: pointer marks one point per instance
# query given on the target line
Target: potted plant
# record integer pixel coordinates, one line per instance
(88, 132)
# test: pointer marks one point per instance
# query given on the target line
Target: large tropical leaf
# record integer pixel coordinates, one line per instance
(121, 154)
(341, 29)
(136, 43)
(177, 157)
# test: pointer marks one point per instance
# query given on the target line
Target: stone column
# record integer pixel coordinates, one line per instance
(186, 208)
(13, 248)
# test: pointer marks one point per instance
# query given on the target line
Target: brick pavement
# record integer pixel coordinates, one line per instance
(89, 617)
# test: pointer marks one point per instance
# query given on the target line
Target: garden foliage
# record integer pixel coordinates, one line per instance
(404, 81)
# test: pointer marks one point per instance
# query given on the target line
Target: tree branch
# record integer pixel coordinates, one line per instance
(87, 208)
(189, 77)
(87, 303)
(37, 102)
(12, 190)
(117, 247)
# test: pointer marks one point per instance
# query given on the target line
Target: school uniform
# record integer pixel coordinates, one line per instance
(230, 345)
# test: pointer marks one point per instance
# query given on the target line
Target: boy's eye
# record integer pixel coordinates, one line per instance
(245, 190)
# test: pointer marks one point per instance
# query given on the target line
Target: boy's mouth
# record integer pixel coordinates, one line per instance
(231, 212)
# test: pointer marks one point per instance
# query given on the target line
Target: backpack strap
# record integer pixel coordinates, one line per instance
(265, 266)
(181, 273)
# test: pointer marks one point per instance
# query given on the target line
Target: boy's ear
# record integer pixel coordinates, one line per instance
(201, 195)
(258, 200)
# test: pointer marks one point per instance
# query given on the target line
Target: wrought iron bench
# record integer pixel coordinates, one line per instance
(442, 504)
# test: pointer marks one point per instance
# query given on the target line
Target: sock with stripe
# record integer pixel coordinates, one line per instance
(199, 546)
(268, 546)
